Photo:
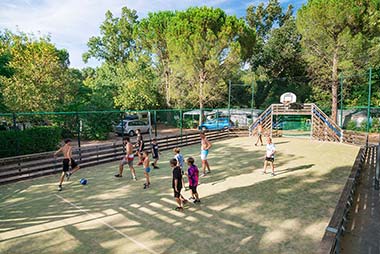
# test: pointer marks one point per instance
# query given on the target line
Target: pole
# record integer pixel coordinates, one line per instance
(150, 125)
(369, 97)
(377, 174)
(341, 101)
(181, 123)
(252, 99)
(78, 133)
(229, 100)
(14, 116)
(122, 125)
(155, 123)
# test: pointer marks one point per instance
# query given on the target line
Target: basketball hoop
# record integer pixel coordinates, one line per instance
(288, 98)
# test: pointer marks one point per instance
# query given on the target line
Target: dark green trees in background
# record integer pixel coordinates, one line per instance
(184, 59)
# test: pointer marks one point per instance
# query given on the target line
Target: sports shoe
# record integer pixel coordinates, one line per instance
(59, 188)
(179, 209)
(203, 175)
(134, 178)
(272, 174)
(191, 199)
(146, 186)
(68, 175)
(197, 201)
(208, 171)
(118, 175)
(264, 172)
(156, 167)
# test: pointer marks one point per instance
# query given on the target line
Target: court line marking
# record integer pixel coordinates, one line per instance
(109, 225)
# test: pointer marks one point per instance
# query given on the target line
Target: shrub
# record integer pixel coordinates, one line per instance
(351, 125)
(33, 140)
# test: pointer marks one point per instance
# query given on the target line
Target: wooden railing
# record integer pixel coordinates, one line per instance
(35, 165)
(332, 238)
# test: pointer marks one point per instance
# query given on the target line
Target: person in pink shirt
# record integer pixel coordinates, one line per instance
(193, 176)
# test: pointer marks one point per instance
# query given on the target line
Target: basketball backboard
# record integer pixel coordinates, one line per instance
(288, 98)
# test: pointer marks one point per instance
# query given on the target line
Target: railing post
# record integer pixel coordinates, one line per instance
(78, 133)
(377, 173)
(369, 97)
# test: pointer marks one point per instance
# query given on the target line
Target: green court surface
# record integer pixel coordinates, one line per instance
(242, 210)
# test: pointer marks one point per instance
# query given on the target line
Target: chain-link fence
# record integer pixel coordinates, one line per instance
(28, 133)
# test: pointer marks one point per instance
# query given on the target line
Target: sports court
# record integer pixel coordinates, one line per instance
(242, 210)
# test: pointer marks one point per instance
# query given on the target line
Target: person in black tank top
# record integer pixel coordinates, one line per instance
(155, 153)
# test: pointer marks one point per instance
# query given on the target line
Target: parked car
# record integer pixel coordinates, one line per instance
(130, 127)
(216, 124)
(131, 117)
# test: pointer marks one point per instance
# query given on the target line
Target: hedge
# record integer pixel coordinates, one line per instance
(33, 140)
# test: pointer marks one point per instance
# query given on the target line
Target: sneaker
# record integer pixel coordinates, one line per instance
(191, 199)
(145, 186)
(156, 167)
(118, 175)
(208, 171)
(68, 175)
(197, 201)
(134, 178)
(264, 172)
(179, 209)
(59, 188)
(272, 174)
(255, 144)
(203, 175)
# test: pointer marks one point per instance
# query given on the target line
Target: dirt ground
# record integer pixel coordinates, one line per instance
(241, 210)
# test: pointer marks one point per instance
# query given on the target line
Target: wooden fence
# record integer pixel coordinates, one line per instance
(35, 165)
(331, 240)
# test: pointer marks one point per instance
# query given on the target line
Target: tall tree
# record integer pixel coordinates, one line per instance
(204, 45)
(152, 37)
(330, 30)
(38, 69)
(276, 64)
(116, 41)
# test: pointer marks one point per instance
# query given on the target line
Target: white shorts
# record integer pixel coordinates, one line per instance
(204, 154)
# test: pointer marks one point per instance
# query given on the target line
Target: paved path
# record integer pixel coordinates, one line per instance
(363, 227)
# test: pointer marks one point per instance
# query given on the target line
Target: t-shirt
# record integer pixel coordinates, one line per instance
(193, 174)
(155, 150)
(270, 149)
(177, 174)
(180, 159)
(140, 142)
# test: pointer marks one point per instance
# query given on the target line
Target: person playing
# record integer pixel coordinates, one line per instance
(177, 184)
(269, 156)
(146, 169)
(180, 161)
(155, 153)
(127, 159)
(193, 176)
(205, 146)
(140, 146)
(67, 162)
(259, 134)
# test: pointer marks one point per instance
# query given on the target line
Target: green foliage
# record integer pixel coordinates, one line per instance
(29, 141)
(277, 54)
(37, 77)
(116, 41)
(351, 125)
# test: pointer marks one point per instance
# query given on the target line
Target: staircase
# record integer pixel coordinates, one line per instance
(322, 127)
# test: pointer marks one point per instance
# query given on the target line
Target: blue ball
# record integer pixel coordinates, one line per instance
(83, 181)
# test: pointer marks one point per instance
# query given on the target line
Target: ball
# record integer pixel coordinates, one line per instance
(83, 181)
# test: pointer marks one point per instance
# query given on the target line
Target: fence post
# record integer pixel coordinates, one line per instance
(341, 101)
(155, 123)
(369, 97)
(377, 174)
(14, 116)
(78, 133)
(229, 100)
(122, 125)
(181, 123)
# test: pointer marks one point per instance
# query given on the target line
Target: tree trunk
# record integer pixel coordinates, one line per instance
(202, 79)
(334, 87)
(167, 87)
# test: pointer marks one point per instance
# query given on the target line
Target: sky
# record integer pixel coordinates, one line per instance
(70, 23)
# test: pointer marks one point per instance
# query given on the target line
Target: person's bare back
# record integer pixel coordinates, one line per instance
(129, 149)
